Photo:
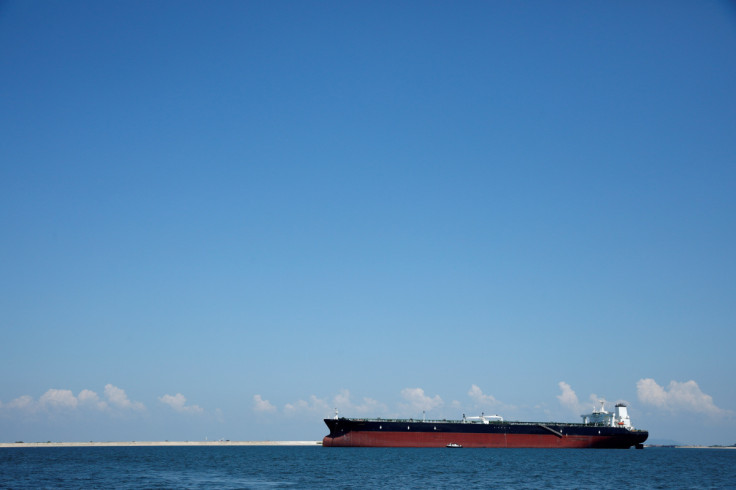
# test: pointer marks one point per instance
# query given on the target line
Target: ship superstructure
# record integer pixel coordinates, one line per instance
(619, 417)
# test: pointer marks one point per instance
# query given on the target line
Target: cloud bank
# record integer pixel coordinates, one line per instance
(178, 402)
(366, 406)
(678, 397)
(419, 401)
(569, 399)
(61, 400)
(476, 394)
(261, 405)
(313, 405)
(117, 398)
(413, 401)
(323, 407)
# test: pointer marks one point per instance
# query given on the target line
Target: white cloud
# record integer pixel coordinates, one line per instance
(324, 406)
(24, 402)
(486, 401)
(117, 398)
(342, 399)
(179, 403)
(568, 398)
(369, 406)
(476, 394)
(677, 397)
(418, 401)
(90, 399)
(651, 393)
(261, 405)
(54, 398)
(64, 400)
(314, 405)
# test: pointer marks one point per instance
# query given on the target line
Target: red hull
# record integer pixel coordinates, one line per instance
(429, 439)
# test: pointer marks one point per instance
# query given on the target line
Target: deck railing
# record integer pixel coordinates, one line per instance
(497, 422)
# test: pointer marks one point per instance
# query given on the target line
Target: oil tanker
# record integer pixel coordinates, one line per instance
(599, 429)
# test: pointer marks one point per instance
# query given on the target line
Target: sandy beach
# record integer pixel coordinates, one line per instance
(159, 443)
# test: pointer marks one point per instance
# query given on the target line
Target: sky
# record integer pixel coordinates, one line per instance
(226, 219)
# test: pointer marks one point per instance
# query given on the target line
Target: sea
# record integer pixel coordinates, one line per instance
(262, 467)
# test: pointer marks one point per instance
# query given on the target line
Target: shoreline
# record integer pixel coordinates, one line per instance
(159, 443)
(704, 447)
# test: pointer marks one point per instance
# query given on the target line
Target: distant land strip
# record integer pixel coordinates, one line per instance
(159, 443)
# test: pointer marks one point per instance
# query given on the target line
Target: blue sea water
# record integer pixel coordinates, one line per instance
(317, 467)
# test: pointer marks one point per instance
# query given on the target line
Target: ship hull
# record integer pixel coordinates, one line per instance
(376, 433)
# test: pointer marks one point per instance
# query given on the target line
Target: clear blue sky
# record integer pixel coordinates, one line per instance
(224, 219)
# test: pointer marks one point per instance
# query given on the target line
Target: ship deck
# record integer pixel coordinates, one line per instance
(455, 421)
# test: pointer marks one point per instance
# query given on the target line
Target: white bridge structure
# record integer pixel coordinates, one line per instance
(619, 417)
